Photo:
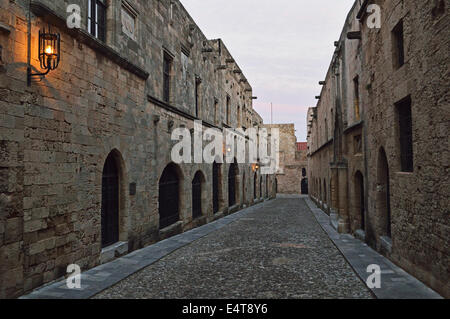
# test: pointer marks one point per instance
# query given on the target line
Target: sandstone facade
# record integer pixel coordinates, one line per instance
(106, 103)
(293, 162)
(378, 138)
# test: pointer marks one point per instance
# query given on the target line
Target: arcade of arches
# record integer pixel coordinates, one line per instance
(184, 206)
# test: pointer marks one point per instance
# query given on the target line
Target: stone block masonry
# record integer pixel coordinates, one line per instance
(292, 178)
(378, 138)
(83, 152)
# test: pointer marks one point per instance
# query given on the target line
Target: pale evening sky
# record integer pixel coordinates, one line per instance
(284, 48)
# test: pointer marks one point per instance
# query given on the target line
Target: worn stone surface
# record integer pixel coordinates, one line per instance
(276, 251)
(348, 136)
(293, 162)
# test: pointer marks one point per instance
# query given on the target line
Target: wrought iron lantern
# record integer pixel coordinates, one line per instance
(49, 53)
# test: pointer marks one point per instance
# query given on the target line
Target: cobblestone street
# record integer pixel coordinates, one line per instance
(277, 251)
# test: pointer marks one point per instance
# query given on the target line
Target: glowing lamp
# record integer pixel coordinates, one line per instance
(49, 53)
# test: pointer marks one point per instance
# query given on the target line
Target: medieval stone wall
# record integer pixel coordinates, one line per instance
(293, 163)
(403, 214)
(106, 99)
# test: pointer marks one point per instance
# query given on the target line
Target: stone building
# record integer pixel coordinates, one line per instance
(378, 147)
(292, 177)
(86, 173)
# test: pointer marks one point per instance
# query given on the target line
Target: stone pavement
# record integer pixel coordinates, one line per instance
(275, 249)
(395, 282)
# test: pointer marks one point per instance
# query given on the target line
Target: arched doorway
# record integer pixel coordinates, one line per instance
(243, 188)
(276, 186)
(197, 186)
(325, 193)
(384, 194)
(304, 186)
(267, 186)
(260, 186)
(359, 198)
(110, 202)
(255, 178)
(232, 173)
(169, 196)
(216, 186)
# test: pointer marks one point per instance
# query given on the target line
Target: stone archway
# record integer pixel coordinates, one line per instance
(169, 196)
(217, 186)
(233, 186)
(110, 201)
(304, 186)
(198, 186)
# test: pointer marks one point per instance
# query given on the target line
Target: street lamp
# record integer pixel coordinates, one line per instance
(49, 53)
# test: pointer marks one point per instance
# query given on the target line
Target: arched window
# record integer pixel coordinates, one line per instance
(169, 197)
(110, 202)
(384, 194)
(197, 195)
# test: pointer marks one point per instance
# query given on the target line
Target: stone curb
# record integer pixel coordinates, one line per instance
(104, 276)
(395, 282)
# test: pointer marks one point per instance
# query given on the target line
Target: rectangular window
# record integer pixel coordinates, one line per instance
(398, 45)
(97, 19)
(356, 90)
(405, 134)
(167, 66)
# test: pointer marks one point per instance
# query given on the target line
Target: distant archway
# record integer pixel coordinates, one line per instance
(197, 192)
(217, 184)
(260, 187)
(255, 178)
(232, 184)
(243, 188)
(304, 186)
(267, 186)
